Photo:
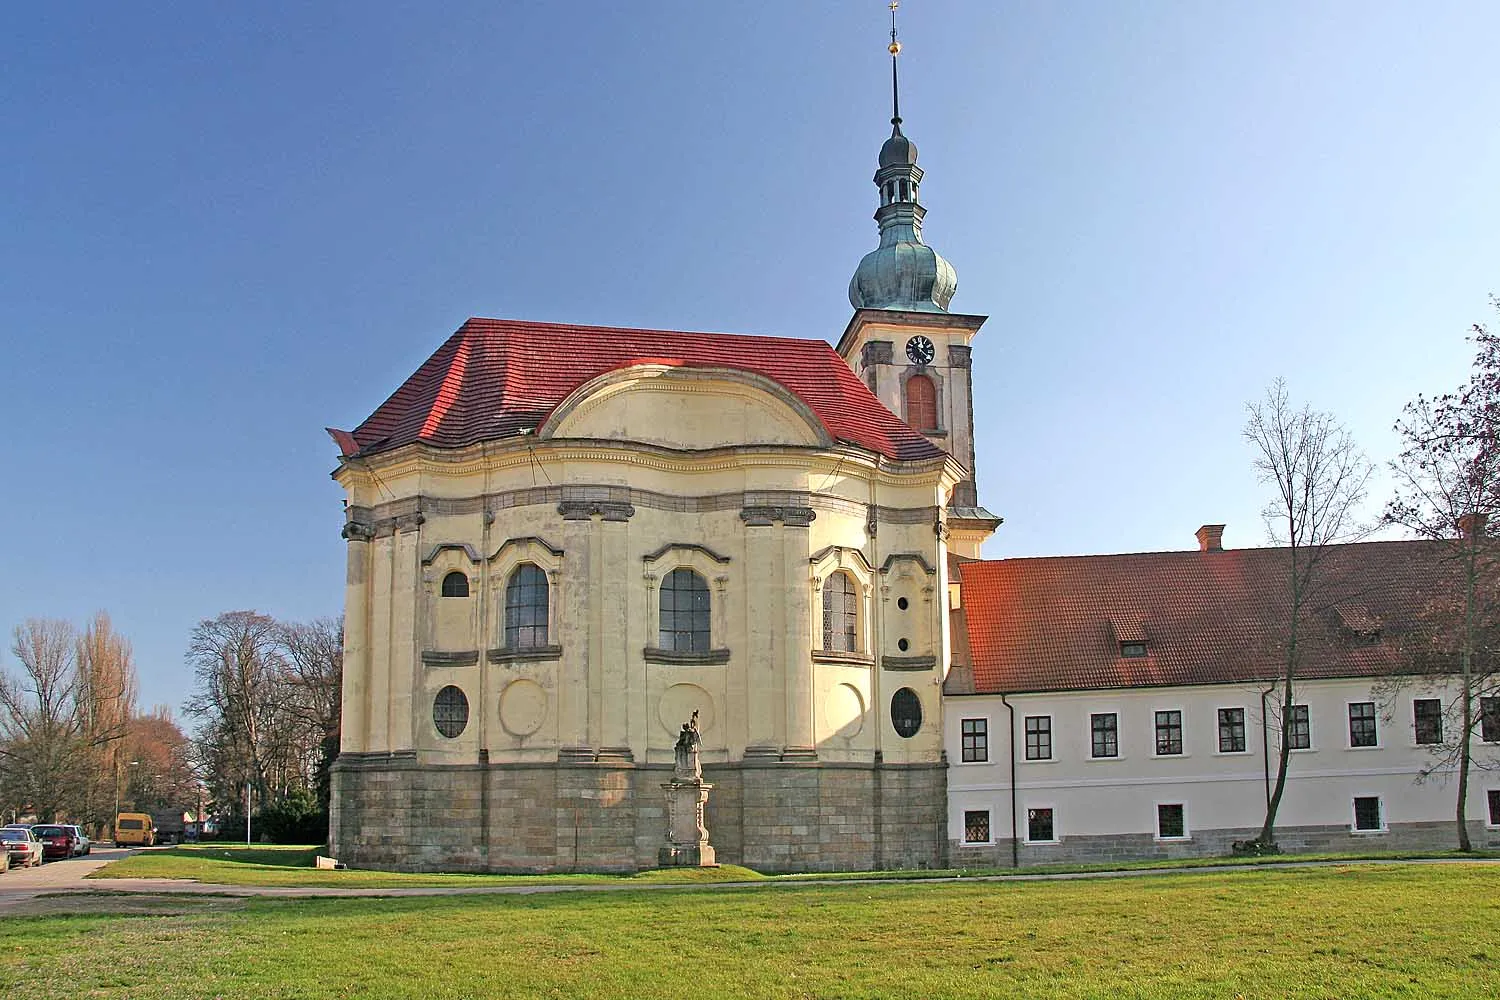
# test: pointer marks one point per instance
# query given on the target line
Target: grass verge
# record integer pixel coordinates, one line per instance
(263, 865)
(1363, 930)
(238, 864)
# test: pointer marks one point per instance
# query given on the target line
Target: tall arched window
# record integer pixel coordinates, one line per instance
(840, 614)
(921, 403)
(455, 584)
(526, 608)
(684, 612)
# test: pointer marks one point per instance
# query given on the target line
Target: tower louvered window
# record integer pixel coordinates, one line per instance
(921, 403)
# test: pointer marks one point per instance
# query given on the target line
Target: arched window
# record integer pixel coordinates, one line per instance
(906, 713)
(450, 711)
(840, 614)
(684, 612)
(526, 608)
(455, 584)
(921, 403)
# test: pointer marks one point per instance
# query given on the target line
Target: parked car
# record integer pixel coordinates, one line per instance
(21, 845)
(57, 840)
(82, 844)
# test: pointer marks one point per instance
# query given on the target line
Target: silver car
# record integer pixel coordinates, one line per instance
(81, 843)
(21, 844)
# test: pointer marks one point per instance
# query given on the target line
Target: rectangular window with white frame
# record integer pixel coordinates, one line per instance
(1038, 737)
(975, 737)
(1494, 797)
(1362, 725)
(1299, 728)
(1427, 721)
(1169, 733)
(1104, 730)
(976, 826)
(1489, 720)
(1040, 826)
(1231, 730)
(1369, 817)
(1171, 821)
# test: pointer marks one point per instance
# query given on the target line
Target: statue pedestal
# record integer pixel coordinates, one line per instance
(687, 839)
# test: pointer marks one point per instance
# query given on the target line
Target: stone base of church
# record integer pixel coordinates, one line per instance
(393, 813)
(1218, 843)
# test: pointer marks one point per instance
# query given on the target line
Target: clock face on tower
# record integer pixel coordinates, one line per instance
(919, 350)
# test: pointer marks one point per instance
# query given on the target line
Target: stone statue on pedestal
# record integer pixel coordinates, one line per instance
(687, 795)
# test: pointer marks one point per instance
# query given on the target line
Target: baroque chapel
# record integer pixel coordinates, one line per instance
(563, 541)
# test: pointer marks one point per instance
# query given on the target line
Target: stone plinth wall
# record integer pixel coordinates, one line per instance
(390, 812)
(1218, 843)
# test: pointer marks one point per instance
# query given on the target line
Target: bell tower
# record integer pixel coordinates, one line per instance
(902, 340)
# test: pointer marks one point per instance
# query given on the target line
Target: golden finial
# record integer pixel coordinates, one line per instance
(895, 45)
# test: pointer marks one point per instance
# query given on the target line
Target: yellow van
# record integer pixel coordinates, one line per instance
(134, 828)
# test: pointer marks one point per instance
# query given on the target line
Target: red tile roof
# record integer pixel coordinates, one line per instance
(493, 378)
(1056, 624)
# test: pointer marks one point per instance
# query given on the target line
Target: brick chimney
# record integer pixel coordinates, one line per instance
(1471, 525)
(1211, 538)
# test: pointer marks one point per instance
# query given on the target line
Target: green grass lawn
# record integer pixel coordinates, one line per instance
(1359, 931)
(238, 864)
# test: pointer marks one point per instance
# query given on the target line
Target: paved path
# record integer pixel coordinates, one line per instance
(67, 878)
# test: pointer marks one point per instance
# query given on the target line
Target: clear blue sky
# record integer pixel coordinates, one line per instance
(222, 229)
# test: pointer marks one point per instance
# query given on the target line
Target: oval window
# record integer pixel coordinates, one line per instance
(906, 713)
(450, 711)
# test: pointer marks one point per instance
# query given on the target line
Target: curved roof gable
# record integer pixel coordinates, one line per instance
(495, 378)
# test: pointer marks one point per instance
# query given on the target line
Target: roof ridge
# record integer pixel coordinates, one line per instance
(1197, 553)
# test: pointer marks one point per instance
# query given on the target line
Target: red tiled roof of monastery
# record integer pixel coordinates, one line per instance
(494, 378)
(1206, 617)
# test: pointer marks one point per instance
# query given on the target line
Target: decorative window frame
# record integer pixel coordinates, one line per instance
(1219, 750)
(1051, 731)
(1187, 827)
(1379, 743)
(1182, 718)
(989, 823)
(988, 732)
(714, 569)
(1026, 824)
(851, 561)
(442, 559)
(1088, 736)
(938, 397)
(508, 558)
(1385, 822)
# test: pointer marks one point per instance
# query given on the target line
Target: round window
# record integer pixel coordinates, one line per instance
(450, 711)
(906, 713)
(903, 645)
(901, 603)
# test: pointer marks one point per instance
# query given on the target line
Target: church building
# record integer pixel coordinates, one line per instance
(565, 541)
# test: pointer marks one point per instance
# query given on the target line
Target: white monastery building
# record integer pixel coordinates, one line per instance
(563, 541)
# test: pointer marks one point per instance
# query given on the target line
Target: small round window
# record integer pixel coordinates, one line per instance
(901, 603)
(906, 713)
(450, 711)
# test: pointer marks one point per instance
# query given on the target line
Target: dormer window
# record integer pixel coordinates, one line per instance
(1133, 649)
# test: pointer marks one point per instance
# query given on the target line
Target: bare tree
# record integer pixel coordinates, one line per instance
(106, 702)
(237, 661)
(1448, 490)
(315, 651)
(1318, 478)
(41, 731)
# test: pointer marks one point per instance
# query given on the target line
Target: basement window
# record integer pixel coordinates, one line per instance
(1367, 818)
(1133, 649)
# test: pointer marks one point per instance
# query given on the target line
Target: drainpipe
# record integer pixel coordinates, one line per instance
(1015, 847)
(1265, 742)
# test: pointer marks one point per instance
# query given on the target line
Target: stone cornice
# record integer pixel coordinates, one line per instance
(908, 662)
(712, 657)
(764, 516)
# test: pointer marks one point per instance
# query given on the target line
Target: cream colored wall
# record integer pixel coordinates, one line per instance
(1093, 797)
(485, 509)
